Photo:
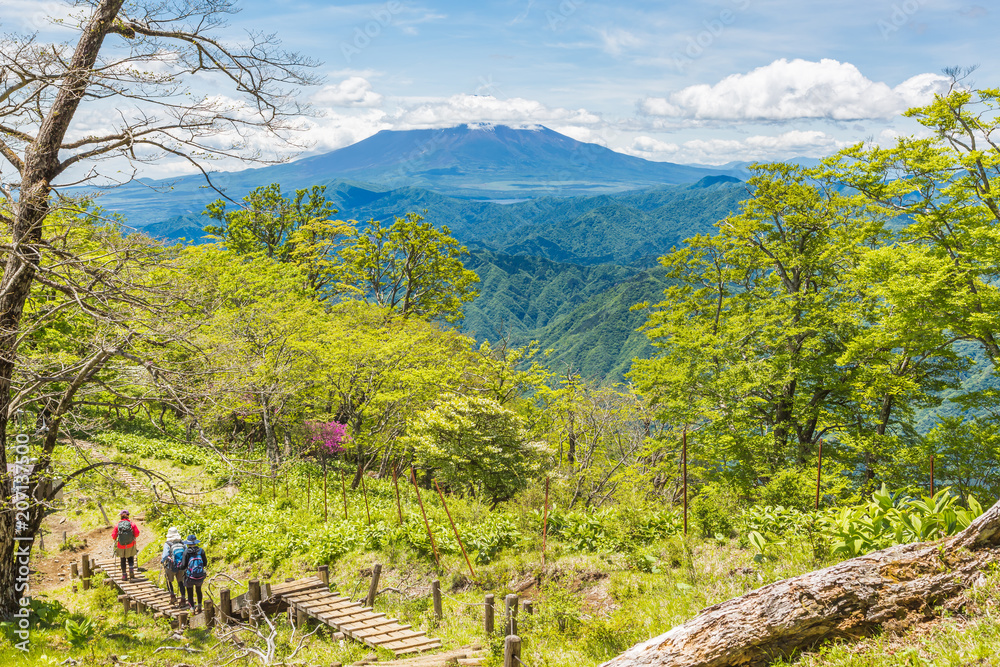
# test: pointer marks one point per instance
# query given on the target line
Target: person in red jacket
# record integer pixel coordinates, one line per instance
(124, 536)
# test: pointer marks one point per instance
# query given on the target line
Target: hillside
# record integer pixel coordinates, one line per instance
(484, 163)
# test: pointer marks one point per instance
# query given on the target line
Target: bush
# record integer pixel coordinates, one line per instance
(714, 511)
(790, 487)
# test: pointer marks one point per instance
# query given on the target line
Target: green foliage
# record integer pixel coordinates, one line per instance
(137, 446)
(789, 488)
(409, 268)
(490, 536)
(79, 633)
(298, 230)
(475, 444)
(714, 510)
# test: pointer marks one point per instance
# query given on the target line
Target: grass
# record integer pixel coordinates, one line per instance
(590, 603)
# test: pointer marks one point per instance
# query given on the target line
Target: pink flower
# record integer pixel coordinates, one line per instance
(331, 435)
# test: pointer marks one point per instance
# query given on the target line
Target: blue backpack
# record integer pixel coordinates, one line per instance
(177, 556)
(196, 565)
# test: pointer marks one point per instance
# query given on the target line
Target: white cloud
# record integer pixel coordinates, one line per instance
(459, 109)
(353, 91)
(786, 90)
(795, 143)
(643, 146)
(616, 40)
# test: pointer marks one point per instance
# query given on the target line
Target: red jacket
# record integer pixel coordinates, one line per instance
(135, 532)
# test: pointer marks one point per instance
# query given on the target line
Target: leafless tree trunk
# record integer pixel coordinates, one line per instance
(143, 76)
(887, 590)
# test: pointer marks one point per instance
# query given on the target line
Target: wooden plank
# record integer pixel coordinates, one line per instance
(377, 627)
(398, 636)
(354, 618)
(297, 585)
(417, 648)
(379, 634)
(330, 606)
(352, 614)
(312, 597)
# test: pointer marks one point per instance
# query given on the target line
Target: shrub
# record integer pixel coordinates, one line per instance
(714, 511)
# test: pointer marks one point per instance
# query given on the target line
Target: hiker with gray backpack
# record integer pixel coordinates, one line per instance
(124, 535)
(194, 565)
(172, 560)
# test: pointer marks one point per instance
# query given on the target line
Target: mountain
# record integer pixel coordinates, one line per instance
(469, 162)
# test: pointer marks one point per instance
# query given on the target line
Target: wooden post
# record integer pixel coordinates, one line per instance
(819, 472)
(301, 618)
(364, 492)
(254, 594)
(436, 597)
(209, 612)
(125, 603)
(488, 614)
(74, 571)
(932, 475)
(455, 529)
(85, 569)
(325, 484)
(104, 514)
(545, 520)
(265, 591)
(182, 620)
(343, 490)
(308, 478)
(437, 559)
(373, 589)
(685, 473)
(395, 484)
(512, 651)
(529, 607)
(511, 618)
(64, 537)
(324, 574)
(225, 605)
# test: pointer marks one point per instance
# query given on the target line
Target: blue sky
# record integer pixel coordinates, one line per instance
(693, 82)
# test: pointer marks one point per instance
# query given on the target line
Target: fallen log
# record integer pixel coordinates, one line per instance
(885, 590)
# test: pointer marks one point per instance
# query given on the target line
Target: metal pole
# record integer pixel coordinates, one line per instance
(343, 490)
(364, 492)
(395, 484)
(684, 439)
(932, 475)
(455, 529)
(545, 520)
(437, 559)
(819, 472)
(325, 480)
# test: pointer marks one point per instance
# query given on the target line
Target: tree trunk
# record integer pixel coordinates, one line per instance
(270, 439)
(39, 167)
(885, 590)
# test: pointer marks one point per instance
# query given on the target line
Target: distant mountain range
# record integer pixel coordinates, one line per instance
(564, 235)
(484, 163)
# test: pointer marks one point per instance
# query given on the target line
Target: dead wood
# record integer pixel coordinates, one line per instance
(885, 590)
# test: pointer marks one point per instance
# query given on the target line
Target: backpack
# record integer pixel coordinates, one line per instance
(196, 565)
(125, 534)
(175, 557)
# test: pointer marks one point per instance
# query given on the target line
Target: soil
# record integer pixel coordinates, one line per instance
(52, 569)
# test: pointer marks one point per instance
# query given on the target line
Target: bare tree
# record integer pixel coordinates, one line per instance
(139, 63)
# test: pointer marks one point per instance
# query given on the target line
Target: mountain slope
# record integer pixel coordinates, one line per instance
(468, 162)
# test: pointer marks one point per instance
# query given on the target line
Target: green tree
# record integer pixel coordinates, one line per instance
(771, 336)
(944, 188)
(410, 268)
(300, 230)
(475, 444)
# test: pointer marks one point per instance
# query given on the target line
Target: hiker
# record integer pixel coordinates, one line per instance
(124, 535)
(172, 560)
(194, 571)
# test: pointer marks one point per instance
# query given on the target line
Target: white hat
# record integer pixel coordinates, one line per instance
(174, 535)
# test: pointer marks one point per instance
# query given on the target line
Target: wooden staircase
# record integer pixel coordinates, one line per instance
(311, 596)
